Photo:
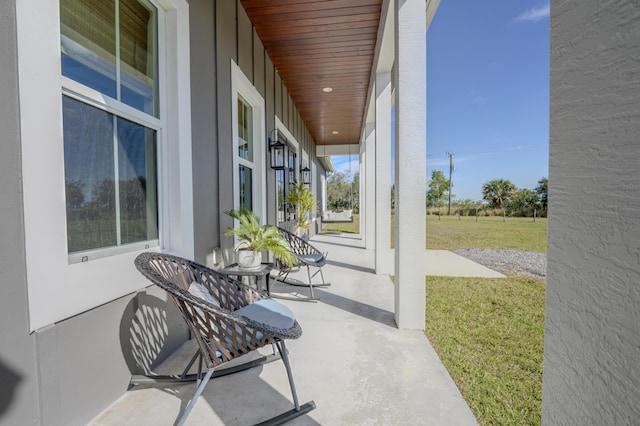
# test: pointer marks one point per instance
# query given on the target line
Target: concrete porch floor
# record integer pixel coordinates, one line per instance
(351, 360)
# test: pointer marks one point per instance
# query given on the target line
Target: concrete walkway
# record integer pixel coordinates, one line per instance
(445, 263)
(438, 263)
(351, 360)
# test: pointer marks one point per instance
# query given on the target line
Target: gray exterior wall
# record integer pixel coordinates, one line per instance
(592, 332)
(86, 362)
(18, 383)
(204, 135)
(67, 373)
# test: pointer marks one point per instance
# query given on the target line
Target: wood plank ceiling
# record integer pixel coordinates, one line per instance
(322, 44)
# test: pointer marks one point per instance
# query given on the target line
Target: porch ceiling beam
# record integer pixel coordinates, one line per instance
(329, 150)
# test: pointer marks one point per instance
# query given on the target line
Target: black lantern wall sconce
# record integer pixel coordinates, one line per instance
(305, 175)
(278, 153)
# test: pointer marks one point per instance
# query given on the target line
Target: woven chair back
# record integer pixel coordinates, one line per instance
(221, 334)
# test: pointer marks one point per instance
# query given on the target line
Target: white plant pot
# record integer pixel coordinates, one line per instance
(302, 233)
(249, 258)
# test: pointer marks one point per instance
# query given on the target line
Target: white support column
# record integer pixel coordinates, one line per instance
(368, 206)
(362, 196)
(383, 258)
(323, 193)
(410, 163)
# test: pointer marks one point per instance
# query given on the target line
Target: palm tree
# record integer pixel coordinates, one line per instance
(497, 192)
(305, 204)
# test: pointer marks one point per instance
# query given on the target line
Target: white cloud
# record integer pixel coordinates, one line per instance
(533, 15)
(444, 161)
(438, 162)
(474, 98)
(478, 100)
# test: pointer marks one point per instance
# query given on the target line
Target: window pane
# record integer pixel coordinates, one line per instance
(138, 59)
(91, 55)
(88, 43)
(246, 184)
(245, 129)
(137, 182)
(89, 176)
(282, 195)
(99, 212)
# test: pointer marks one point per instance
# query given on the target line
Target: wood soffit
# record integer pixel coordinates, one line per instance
(318, 44)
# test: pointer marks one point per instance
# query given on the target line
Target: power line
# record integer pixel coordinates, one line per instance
(497, 151)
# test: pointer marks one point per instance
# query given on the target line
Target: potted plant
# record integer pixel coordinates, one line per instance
(302, 199)
(254, 238)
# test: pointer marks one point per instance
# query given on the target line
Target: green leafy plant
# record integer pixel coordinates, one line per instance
(302, 198)
(258, 237)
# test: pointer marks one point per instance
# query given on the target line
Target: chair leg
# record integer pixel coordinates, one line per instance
(298, 410)
(195, 397)
(285, 359)
(185, 372)
(319, 271)
(310, 283)
(322, 275)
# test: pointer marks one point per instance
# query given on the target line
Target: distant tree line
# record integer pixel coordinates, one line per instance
(501, 193)
(343, 192)
(496, 194)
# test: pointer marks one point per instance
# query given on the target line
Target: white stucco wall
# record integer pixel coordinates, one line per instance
(592, 332)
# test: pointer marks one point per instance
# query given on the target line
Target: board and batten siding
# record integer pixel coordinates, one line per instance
(235, 40)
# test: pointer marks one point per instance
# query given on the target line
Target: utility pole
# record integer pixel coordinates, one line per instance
(450, 155)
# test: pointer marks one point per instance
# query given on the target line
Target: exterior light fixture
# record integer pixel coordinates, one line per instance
(277, 150)
(327, 89)
(305, 175)
(335, 132)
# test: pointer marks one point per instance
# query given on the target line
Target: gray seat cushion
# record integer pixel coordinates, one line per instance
(269, 312)
(312, 258)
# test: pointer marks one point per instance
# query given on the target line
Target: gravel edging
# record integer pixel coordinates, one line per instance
(517, 261)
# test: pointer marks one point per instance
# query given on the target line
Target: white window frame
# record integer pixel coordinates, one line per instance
(240, 85)
(57, 289)
(287, 134)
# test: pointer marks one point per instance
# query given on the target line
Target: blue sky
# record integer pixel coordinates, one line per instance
(487, 93)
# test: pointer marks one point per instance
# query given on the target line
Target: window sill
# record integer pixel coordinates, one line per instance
(89, 255)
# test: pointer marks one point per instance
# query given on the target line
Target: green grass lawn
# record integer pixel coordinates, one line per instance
(449, 233)
(489, 334)
(343, 227)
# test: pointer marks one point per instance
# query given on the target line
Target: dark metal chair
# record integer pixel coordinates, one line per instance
(227, 319)
(307, 256)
